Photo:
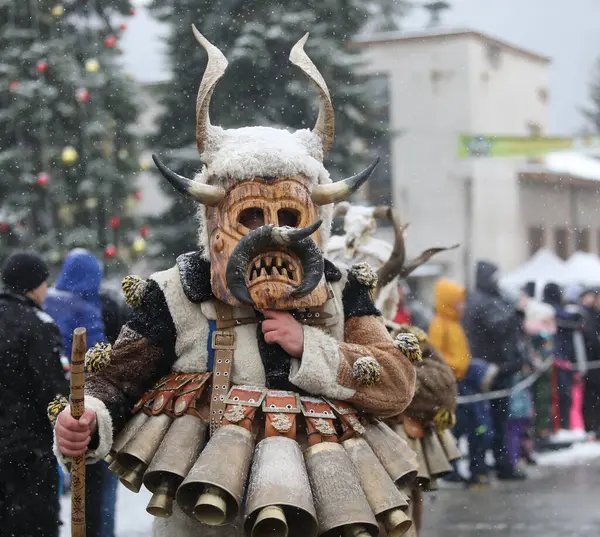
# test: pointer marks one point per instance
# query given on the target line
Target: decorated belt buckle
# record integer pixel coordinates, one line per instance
(254, 401)
(312, 413)
(288, 409)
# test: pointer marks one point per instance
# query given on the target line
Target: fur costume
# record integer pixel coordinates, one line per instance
(193, 356)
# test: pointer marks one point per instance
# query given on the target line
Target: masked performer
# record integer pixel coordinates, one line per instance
(244, 392)
(425, 423)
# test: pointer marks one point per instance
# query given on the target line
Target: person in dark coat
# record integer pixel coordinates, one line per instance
(31, 375)
(569, 323)
(492, 325)
(75, 301)
(590, 301)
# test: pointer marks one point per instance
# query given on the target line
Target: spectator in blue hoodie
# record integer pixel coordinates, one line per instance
(75, 301)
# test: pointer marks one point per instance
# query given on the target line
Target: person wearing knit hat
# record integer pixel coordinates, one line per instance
(31, 375)
(26, 273)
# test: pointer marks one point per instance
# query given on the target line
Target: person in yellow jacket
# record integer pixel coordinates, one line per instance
(474, 376)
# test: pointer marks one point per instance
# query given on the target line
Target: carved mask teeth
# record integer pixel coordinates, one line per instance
(272, 267)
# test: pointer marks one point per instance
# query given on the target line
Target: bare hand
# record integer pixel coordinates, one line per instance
(281, 328)
(73, 436)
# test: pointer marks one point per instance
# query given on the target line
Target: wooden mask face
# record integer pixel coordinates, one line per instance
(261, 250)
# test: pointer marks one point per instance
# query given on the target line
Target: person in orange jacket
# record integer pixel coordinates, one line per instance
(474, 376)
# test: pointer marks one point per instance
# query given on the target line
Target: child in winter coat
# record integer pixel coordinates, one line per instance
(473, 376)
(520, 419)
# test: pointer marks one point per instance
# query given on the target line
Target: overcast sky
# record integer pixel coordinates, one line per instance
(566, 30)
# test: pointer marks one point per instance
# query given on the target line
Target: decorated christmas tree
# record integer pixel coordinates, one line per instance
(261, 87)
(68, 152)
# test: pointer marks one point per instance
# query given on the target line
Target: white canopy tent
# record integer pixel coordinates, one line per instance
(584, 268)
(545, 266)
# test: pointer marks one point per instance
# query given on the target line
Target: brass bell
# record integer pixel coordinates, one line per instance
(138, 452)
(432, 486)
(449, 444)
(279, 500)
(177, 453)
(395, 454)
(116, 468)
(423, 476)
(130, 429)
(437, 460)
(213, 489)
(341, 504)
(386, 501)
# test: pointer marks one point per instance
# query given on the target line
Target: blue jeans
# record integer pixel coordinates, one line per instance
(474, 421)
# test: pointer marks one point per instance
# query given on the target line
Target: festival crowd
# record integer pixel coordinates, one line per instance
(492, 343)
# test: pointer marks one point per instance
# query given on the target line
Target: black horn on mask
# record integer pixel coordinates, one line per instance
(269, 237)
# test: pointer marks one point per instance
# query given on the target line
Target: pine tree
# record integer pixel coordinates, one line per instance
(67, 149)
(261, 87)
(592, 113)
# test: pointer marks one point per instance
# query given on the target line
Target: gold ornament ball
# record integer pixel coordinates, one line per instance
(58, 11)
(91, 203)
(144, 164)
(69, 155)
(139, 245)
(92, 66)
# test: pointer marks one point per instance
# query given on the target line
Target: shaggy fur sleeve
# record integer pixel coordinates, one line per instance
(366, 369)
(143, 353)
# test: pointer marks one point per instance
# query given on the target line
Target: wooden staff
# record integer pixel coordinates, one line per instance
(77, 409)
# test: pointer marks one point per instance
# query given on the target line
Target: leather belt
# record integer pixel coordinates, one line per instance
(223, 343)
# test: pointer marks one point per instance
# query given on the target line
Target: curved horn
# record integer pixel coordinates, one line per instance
(205, 194)
(415, 263)
(340, 190)
(392, 267)
(325, 126)
(286, 235)
(215, 69)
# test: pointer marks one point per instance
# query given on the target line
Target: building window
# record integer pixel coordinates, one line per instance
(494, 55)
(380, 183)
(537, 239)
(582, 240)
(561, 242)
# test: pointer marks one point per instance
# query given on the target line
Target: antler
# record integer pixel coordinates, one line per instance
(415, 263)
(393, 265)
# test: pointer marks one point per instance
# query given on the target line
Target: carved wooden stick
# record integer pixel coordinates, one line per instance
(77, 409)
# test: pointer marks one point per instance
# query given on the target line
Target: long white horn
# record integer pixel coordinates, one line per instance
(325, 126)
(215, 69)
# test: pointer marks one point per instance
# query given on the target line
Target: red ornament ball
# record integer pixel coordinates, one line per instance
(122, 27)
(115, 222)
(83, 95)
(110, 41)
(145, 231)
(132, 11)
(14, 85)
(43, 178)
(41, 66)
(110, 251)
(4, 227)
(137, 195)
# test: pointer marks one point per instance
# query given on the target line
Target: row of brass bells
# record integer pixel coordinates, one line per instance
(130, 429)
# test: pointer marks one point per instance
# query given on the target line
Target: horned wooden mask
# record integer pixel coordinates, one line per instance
(266, 199)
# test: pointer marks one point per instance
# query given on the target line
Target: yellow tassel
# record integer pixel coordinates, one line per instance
(55, 407)
(421, 335)
(133, 290)
(97, 358)
(444, 419)
(408, 344)
(365, 275)
(366, 371)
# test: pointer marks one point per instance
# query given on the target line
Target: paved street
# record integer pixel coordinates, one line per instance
(559, 500)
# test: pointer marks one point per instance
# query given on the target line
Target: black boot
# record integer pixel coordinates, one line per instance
(511, 474)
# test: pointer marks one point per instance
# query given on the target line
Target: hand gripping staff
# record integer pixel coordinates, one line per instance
(77, 409)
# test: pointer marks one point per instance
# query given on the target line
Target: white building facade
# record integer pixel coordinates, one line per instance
(446, 83)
